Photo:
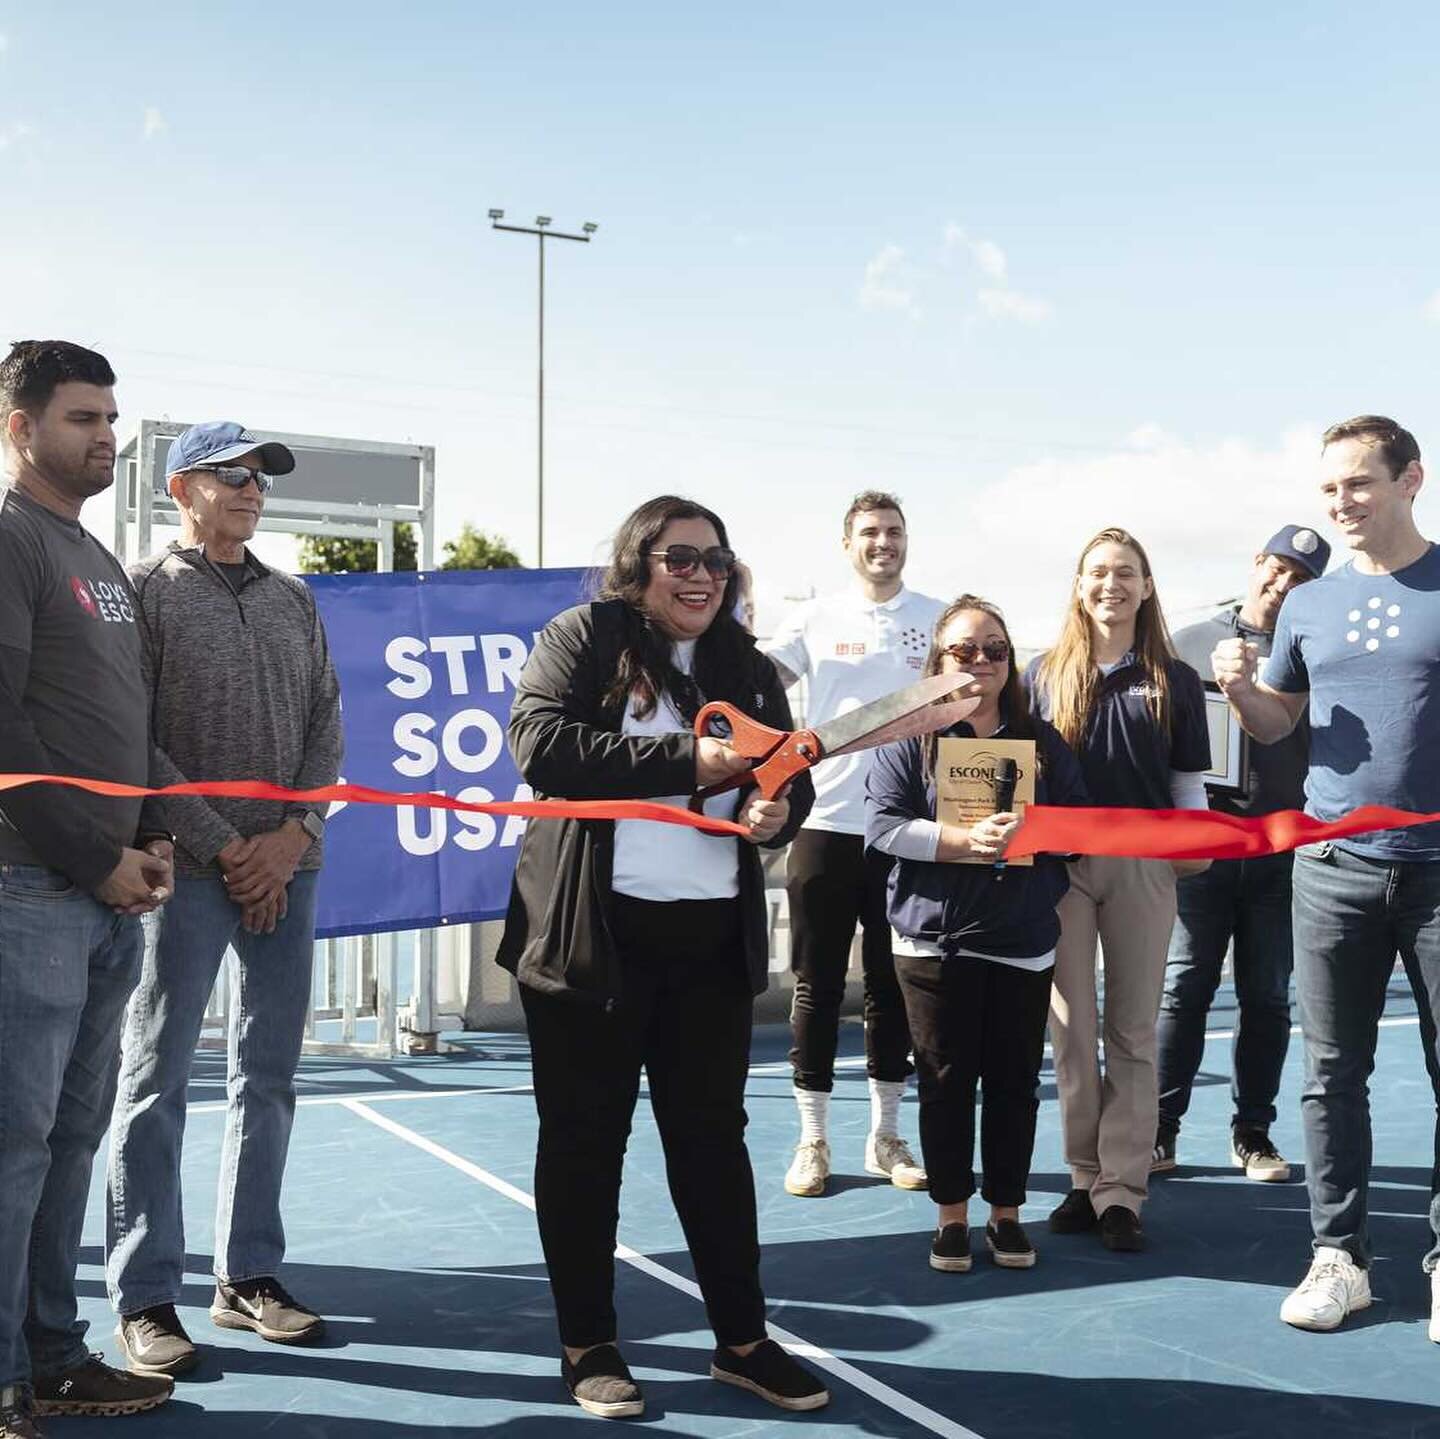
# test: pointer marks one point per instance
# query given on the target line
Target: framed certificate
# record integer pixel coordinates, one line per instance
(1229, 771)
(965, 780)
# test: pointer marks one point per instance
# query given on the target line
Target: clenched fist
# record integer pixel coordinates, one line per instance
(1235, 663)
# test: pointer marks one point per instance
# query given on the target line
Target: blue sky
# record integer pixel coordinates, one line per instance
(1037, 270)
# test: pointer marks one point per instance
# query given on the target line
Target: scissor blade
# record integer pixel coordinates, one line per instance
(854, 730)
(930, 720)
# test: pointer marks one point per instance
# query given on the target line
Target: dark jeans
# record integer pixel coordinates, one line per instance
(976, 1021)
(832, 882)
(1352, 916)
(1247, 900)
(684, 1017)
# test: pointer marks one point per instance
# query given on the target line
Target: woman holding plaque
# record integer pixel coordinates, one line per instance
(974, 938)
(641, 946)
(1135, 716)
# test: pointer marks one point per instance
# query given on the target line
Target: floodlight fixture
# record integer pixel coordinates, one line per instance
(542, 220)
(589, 227)
(497, 214)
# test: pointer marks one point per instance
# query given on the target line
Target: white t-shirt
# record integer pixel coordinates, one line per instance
(852, 650)
(670, 861)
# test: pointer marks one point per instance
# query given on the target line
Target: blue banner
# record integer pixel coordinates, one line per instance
(428, 665)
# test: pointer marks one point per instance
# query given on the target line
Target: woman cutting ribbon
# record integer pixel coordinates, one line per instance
(640, 945)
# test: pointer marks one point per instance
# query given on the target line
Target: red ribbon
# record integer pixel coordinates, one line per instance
(1049, 829)
(363, 794)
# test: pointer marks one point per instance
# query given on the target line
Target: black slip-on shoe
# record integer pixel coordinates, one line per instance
(600, 1383)
(1009, 1245)
(950, 1249)
(767, 1370)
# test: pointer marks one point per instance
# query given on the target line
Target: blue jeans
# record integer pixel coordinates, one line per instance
(1352, 917)
(67, 966)
(270, 977)
(1247, 900)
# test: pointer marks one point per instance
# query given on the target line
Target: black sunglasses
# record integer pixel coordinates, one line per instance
(967, 651)
(682, 561)
(237, 476)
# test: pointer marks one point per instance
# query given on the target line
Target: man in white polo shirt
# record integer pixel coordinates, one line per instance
(852, 647)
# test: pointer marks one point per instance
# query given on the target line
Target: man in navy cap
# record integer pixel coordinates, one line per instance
(1246, 901)
(241, 687)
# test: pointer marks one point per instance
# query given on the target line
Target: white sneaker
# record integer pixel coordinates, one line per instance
(1435, 1306)
(889, 1156)
(809, 1169)
(1334, 1287)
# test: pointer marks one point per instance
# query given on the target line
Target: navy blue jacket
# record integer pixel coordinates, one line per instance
(1006, 912)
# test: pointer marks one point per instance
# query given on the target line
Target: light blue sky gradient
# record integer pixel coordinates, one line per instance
(1190, 240)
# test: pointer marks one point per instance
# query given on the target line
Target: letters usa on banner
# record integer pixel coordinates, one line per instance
(427, 672)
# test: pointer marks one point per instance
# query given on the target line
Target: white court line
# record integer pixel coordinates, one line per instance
(217, 1106)
(882, 1393)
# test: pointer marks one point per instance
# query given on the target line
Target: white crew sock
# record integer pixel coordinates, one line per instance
(885, 1096)
(814, 1105)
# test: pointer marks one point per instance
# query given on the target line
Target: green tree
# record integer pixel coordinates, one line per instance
(341, 555)
(473, 549)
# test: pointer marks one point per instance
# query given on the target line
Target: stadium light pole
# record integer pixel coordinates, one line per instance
(542, 231)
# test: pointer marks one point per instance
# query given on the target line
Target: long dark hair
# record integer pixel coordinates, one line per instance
(646, 669)
(1014, 712)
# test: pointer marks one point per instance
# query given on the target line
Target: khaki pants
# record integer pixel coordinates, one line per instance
(1108, 1118)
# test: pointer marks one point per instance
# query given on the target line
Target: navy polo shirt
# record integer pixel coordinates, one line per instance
(1125, 757)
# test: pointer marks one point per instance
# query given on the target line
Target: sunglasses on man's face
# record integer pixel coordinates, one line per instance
(967, 651)
(682, 561)
(237, 476)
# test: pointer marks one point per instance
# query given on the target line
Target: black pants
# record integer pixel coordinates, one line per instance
(976, 1021)
(832, 881)
(684, 1016)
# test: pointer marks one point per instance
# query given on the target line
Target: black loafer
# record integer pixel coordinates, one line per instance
(1120, 1230)
(1074, 1214)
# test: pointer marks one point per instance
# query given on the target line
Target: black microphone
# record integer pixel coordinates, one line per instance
(1007, 776)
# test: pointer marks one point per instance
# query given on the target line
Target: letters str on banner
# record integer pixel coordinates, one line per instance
(427, 670)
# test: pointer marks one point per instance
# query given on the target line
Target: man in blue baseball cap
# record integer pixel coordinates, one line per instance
(246, 691)
(1244, 900)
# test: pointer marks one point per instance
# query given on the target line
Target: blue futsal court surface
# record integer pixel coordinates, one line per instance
(407, 1207)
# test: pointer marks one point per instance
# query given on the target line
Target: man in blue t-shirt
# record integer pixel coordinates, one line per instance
(1358, 648)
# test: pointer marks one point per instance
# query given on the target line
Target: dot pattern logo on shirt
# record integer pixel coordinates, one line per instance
(1374, 623)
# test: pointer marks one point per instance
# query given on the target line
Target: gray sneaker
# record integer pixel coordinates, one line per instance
(265, 1306)
(15, 1420)
(154, 1341)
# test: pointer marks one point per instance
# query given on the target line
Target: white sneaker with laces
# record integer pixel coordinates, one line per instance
(1435, 1306)
(889, 1156)
(1334, 1287)
(809, 1169)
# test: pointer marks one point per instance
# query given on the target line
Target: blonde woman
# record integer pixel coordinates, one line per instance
(1135, 716)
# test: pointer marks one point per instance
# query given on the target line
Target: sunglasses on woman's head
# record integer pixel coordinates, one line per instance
(967, 651)
(237, 476)
(682, 561)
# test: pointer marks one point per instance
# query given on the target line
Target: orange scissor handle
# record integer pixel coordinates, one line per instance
(779, 755)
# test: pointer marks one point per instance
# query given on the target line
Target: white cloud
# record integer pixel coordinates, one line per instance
(1200, 510)
(154, 123)
(1431, 308)
(4, 42)
(10, 134)
(888, 283)
(1013, 305)
(994, 296)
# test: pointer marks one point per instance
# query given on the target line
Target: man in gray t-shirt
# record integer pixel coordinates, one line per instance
(1241, 901)
(76, 870)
